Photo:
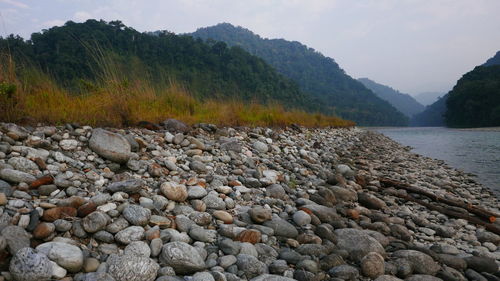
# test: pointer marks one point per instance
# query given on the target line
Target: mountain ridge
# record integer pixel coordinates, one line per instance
(315, 73)
(402, 102)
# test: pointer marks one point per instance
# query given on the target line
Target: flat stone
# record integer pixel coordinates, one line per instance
(137, 215)
(94, 222)
(110, 145)
(127, 186)
(16, 176)
(65, 255)
(182, 257)
(282, 227)
(130, 234)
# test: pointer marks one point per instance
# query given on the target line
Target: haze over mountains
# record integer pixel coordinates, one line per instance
(317, 75)
(428, 98)
(402, 102)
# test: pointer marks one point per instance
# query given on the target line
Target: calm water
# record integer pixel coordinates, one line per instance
(474, 151)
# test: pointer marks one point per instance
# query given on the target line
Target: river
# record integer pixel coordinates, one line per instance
(475, 151)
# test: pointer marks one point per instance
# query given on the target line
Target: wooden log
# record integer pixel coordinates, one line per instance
(478, 211)
(475, 220)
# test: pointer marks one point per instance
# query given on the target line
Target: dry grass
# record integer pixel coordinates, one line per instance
(115, 101)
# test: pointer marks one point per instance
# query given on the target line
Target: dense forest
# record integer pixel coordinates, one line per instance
(475, 100)
(316, 74)
(495, 60)
(76, 53)
(402, 102)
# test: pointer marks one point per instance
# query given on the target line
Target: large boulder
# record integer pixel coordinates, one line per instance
(129, 267)
(16, 238)
(182, 257)
(28, 265)
(68, 256)
(110, 145)
(357, 243)
(420, 262)
(11, 175)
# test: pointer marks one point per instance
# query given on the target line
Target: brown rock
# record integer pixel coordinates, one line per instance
(223, 216)
(86, 209)
(40, 163)
(3, 199)
(42, 181)
(56, 213)
(73, 201)
(305, 238)
(352, 213)
(44, 230)
(260, 214)
(250, 235)
(173, 191)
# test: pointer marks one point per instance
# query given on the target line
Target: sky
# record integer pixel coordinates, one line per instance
(413, 46)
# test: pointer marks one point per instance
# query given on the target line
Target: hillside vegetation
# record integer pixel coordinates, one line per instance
(103, 73)
(475, 100)
(316, 74)
(402, 102)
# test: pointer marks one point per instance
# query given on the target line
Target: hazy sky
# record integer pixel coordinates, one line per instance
(411, 45)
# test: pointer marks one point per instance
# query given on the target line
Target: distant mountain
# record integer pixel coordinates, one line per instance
(473, 102)
(428, 98)
(316, 74)
(402, 102)
(432, 116)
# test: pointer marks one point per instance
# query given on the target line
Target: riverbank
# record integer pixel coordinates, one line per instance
(232, 204)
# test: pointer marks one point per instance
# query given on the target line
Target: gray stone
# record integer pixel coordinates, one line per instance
(344, 194)
(486, 236)
(324, 214)
(270, 277)
(357, 243)
(109, 145)
(423, 277)
(301, 218)
(230, 247)
(127, 186)
(28, 265)
(139, 248)
(16, 238)
(260, 147)
(23, 164)
(68, 256)
(372, 265)
(482, 264)
(137, 215)
(420, 262)
(282, 228)
(94, 276)
(250, 265)
(132, 268)
(474, 276)
(6, 188)
(16, 176)
(203, 235)
(196, 192)
(130, 234)
(118, 225)
(182, 257)
(344, 272)
(198, 167)
(94, 222)
(214, 202)
(371, 201)
(387, 278)
(203, 276)
(175, 126)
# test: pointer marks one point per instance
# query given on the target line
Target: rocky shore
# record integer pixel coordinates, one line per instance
(173, 202)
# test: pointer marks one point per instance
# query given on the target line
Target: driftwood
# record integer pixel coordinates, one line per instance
(480, 212)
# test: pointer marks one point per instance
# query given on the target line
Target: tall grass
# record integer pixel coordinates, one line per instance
(122, 99)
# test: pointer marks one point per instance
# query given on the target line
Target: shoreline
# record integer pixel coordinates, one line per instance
(237, 204)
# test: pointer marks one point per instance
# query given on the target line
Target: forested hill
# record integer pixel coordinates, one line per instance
(402, 102)
(77, 52)
(432, 116)
(475, 100)
(316, 74)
